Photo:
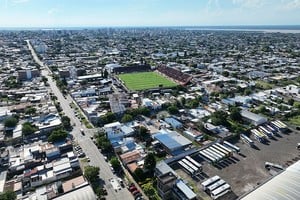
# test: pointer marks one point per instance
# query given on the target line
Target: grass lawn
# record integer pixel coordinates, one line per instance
(265, 85)
(295, 120)
(145, 80)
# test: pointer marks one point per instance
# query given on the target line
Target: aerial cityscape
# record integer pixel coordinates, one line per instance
(152, 102)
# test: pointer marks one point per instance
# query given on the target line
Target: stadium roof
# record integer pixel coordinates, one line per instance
(284, 186)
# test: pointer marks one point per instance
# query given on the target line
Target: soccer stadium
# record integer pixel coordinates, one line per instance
(145, 80)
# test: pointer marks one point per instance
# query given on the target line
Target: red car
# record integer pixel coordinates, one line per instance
(132, 188)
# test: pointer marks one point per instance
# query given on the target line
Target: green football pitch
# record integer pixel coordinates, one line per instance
(145, 80)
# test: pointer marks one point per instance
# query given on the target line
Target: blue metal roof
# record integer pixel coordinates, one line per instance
(167, 141)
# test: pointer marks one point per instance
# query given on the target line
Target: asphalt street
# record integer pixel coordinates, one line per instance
(90, 149)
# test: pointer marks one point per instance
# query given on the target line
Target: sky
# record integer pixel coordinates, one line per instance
(89, 13)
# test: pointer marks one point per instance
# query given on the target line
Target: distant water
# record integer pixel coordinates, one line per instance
(273, 29)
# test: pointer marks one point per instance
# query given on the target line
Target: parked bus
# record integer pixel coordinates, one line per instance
(233, 147)
(276, 125)
(215, 185)
(265, 131)
(221, 150)
(225, 148)
(189, 164)
(186, 168)
(194, 162)
(247, 140)
(271, 129)
(220, 191)
(211, 155)
(210, 181)
(283, 125)
(207, 157)
(217, 151)
(258, 133)
(258, 137)
(214, 153)
(269, 165)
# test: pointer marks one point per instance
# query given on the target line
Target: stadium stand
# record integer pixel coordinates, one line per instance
(175, 74)
(132, 68)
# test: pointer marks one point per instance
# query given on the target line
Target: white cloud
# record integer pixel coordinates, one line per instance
(250, 3)
(291, 4)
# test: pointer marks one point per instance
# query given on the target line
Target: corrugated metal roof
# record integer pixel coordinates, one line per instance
(285, 186)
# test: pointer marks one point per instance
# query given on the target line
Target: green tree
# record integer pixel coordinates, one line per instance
(115, 163)
(219, 118)
(150, 162)
(8, 195)
(247, 91)
(225, 73)
(126, 118)
(139, 174)
(66, 122)
(30, 111)
(57, 135)
(150, 191)
(91, 173)
(28, 128)
(173, 110)
(235, 114)
(143, 133)
(10, 122)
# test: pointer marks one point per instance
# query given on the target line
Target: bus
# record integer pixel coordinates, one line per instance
(220, 191)
(265, 131)
(259, 133)
(276, 125)
(215, 185)
(283, 125)
(207, 157)
(225, 148)
(247, 140)
(186, 168)
(190, 165)
(210, 181)
(221, 150)
(217, 151)
(214, 153)
(194, 162)
(271, 129)
(211, 154)
(233, 147)
(258, 137)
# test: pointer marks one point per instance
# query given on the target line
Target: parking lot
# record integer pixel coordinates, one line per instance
(246, 171)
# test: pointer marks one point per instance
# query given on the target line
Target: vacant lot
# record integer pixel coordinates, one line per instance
(246, 171)
(145, 80)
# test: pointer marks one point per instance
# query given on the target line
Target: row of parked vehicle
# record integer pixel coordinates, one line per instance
(135, 192)
(79, 151)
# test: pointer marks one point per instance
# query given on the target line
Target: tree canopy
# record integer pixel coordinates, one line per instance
(57, 135)
(219, 118)
(10, 122)
(28, 128)
(235, 113)
(91, 173)
(173, 110)
(150, 162)
(115, 163)
(126, 118)
(8, 195)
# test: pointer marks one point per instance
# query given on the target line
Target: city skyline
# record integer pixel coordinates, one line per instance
(97, 13)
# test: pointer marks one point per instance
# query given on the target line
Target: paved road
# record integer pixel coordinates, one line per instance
(97, 159)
